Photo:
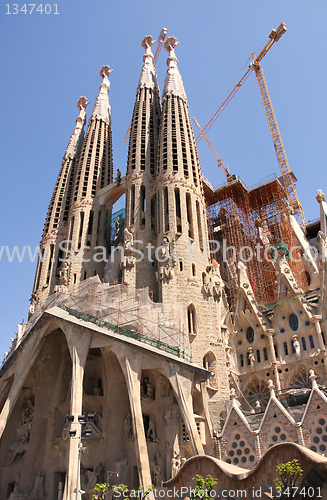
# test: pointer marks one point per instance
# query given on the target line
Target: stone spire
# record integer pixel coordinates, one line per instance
(56, 222)
(77, 136)
(102, 108)
(148, 76)
(140, 216)
(173, 81)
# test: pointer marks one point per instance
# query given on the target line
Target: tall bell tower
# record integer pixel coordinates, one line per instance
(141, 197)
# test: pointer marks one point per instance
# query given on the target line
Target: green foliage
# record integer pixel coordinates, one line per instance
(289, 474)
(203, 487)
(101, 490)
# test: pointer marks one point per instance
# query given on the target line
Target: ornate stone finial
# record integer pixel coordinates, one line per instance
(147, 42)
(271, 387)
(105, 71)
(312, 377)
(257, 407)
(170, 45)
(320, 196)
(232, 393)
(82, 102)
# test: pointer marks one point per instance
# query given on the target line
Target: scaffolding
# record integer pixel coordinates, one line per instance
(253, 225)
(120, 310)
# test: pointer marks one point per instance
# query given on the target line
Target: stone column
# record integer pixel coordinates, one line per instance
(273, 357)
(78, 343)
(183, 393)
(257, 445)
(316, 320)
(131, 366)
(299, 432)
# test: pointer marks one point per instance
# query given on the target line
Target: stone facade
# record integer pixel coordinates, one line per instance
(133, 367)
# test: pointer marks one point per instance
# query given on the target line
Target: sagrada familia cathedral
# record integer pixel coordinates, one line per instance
(187, 335)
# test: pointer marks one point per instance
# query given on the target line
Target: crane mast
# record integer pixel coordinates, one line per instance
(288, 182)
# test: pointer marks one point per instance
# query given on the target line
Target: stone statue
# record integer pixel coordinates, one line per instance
(149, 390)
(118, 177)
(128, 238)
(19, 446)
(63, 273)
(31, 308)
(151, 434)
(38, 488)
(175, 464)
(251, 357)
(297, 347)
(92, 478)
(27, 414)
(127, 428)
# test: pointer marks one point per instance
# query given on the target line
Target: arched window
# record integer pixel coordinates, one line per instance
(241, 360)
(265, 354)
(312, 345)
(285, 348)
(304, 344)
(294, 322)
(210, 364)
(191, 320)
(250, 335)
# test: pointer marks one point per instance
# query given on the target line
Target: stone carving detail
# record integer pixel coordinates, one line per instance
(251, 357)
(63, 273)
(297, 347)
(19, 447)
(151, 434)
(128, 428)
(38, 488)
(163, 386)
(118, 177)
(320, 196)
(147, 389)
(175, 464)
(91, 478)
(166, 271)
(157, 470)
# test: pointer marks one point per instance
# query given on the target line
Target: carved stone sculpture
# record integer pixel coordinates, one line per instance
(175, 464)
(38, 488)
(151, 434)
(297, 347)
(128, 428)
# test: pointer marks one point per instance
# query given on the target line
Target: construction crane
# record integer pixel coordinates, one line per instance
(212, 149)
(274, 36)
(161, 40)
(287, 176)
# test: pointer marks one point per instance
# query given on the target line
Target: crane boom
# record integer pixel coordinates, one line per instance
(274, 36)
(288, 181)
(161, 40)
(212, 149)
(162, 37)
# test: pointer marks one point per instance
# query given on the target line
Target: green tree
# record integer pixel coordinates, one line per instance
(100, 491)
(289, 474)
(203, 487)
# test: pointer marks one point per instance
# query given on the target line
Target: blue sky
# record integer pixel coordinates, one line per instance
(48, 61)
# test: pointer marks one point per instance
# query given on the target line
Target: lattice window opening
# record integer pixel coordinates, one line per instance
(200, 427)
(318, 437)
(278, 435)
(239, 452)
